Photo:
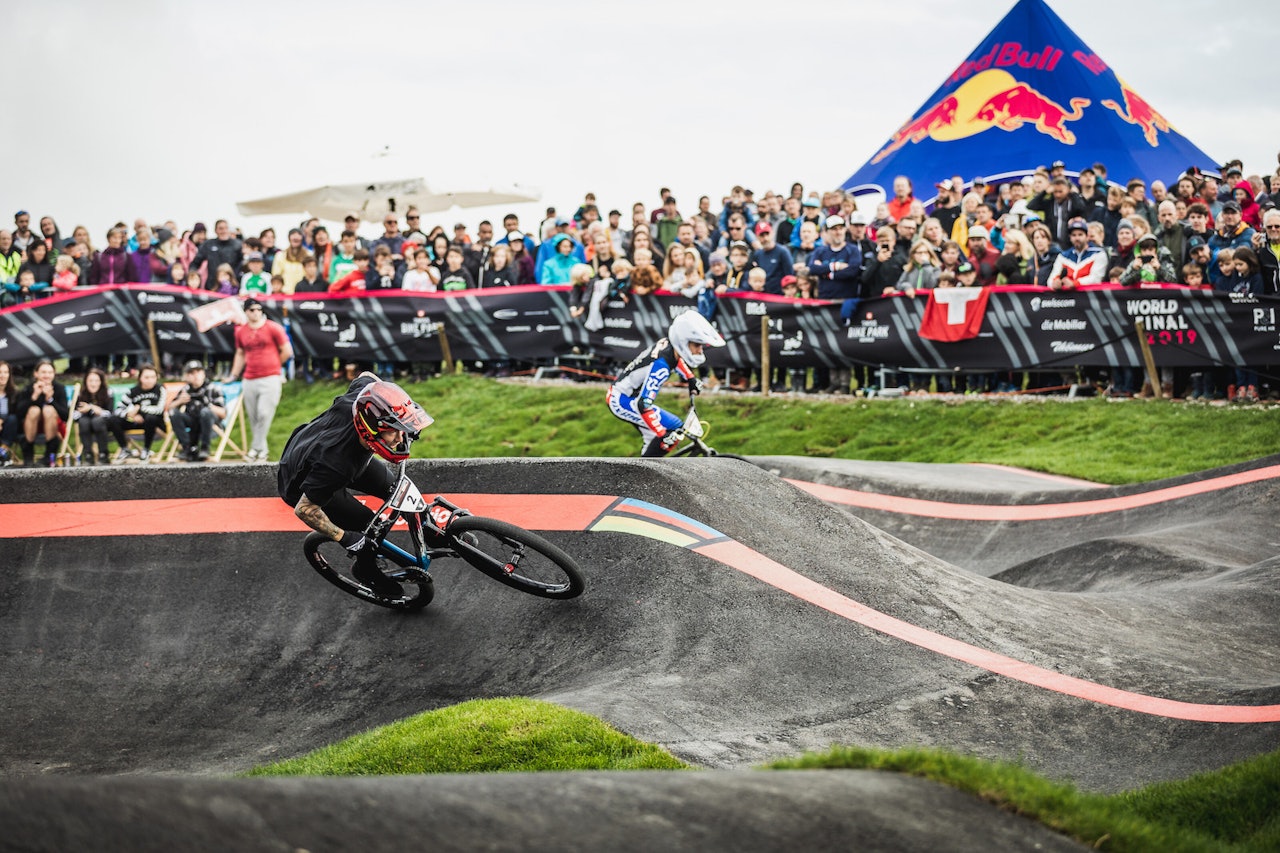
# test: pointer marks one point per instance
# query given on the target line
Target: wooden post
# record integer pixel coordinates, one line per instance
(444, 348)
(1152, 375)
(766, 374)
(155, 347)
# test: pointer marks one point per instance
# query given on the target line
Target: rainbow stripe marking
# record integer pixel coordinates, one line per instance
(640, 518)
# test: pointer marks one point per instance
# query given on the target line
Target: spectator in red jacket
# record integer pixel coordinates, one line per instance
(903, 196)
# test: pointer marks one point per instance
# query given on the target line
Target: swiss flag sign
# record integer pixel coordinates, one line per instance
(954, 313)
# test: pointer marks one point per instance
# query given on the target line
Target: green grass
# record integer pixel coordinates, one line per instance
(1106, 442)
(1233, 809)
(481, 736)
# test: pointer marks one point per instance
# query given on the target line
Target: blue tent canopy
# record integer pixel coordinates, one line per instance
(1030, 94)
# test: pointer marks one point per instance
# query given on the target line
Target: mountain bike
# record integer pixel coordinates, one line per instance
(692, 432)
(505, 552)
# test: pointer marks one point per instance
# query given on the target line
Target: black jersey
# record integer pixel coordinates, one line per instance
(324, 456)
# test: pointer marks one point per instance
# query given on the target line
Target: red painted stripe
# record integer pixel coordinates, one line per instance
(1028, 512)
(742, 558)
(244, 515)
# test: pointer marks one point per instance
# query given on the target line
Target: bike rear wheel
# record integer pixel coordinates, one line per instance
(334, 564)
(516, 557)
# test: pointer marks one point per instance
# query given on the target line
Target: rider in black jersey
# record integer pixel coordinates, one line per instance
(333, 454)
(632, 395)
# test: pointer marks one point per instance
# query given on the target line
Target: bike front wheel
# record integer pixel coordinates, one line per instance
(334, 564)
(516, 557)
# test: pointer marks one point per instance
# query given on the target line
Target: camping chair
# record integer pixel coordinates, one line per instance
(70, 433)
(227, 443)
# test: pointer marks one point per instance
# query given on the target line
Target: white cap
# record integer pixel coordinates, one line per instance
(834, 221)
(978, 231)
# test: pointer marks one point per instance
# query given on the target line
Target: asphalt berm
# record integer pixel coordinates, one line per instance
(139, 670)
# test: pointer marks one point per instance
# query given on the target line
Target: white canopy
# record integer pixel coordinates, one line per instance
(373, 200)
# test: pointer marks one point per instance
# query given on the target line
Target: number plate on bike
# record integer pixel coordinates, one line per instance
(406, 497)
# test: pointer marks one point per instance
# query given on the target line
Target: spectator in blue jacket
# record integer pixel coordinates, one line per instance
(836, 264)
(772, 258)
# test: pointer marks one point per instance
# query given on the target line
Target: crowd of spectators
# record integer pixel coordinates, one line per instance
(1051, 229)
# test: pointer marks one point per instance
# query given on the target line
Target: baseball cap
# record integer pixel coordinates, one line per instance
(68, 243)
(1125, 223)
(21, 213)
(1196, 243)
(514, 236)
(1088, 169)
(835, 221)
(810, 202)
(858, 218)
(1028, 181)
(1231, 205)
(252, 303)
(978, 231)
(740, 244)
(560, 220)
(964, 268)
(198, 227)
(1234, 170)
(459, 226)
(945, 185)
(1077, 224)
(351, 217)
(763, 228)
(788, 279)
(1148, 238)
(1058, 164)
(717, 258)
(252, 256)
(194, 364)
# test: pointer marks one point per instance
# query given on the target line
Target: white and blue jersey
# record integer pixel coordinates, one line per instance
(632, 396)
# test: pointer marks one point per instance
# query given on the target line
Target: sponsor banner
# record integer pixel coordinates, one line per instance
(1020, 328)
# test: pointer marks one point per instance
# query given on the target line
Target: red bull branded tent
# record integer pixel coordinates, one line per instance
(1031, 93)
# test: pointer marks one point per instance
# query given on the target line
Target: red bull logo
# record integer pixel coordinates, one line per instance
(991, 99)
(1010, 109)
(919, 129)
(1137, 111)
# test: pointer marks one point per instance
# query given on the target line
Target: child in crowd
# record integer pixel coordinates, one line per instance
(66, 273)
(311, 282)
(277, 285)
(193, 281)
(255, 282)
(756, 278)
(353, 281)
(344, 258)
(718, 271)
(423, 278)
(456, 276)
(25, 289)
(736, 276)
(225, 280)
(1192, 275)
(1222, 273)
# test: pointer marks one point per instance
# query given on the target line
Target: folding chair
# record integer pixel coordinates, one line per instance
(231, 392)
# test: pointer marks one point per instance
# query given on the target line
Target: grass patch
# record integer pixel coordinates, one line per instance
(1130, 442)
(1233, 809)
(484, 735)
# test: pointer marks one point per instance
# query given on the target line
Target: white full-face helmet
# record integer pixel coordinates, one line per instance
(692, 328)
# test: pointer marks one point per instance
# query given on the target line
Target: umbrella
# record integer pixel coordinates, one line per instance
(374, 199)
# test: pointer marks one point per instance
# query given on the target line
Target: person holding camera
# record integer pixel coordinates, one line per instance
(1151, 263)
(194, 412)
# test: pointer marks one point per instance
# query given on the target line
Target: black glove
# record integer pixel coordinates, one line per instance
(695, 386)
(353, 541)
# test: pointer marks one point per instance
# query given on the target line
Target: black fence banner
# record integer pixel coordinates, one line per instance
(1022, 327)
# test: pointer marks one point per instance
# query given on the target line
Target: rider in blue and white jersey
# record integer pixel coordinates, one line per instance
(632, 395)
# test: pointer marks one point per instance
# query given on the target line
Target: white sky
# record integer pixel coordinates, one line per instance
(176, 110)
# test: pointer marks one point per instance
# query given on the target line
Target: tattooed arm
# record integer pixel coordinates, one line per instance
(313, 516)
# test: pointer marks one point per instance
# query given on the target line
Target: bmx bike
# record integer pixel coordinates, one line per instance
(505, 552)
(691, 436)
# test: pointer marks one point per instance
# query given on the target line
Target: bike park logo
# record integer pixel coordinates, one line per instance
(166, 316)
(420, 326)
(63, 318)
(617, 323)
(794, 344)
(1038, 304)
(171, 335)
(870, 330)
(625, 343)
(145, 298)
(75, 330)
(515, 330)
(992, 98)
(347, 338)
(311, 305)
(506, 314)
(756, 309)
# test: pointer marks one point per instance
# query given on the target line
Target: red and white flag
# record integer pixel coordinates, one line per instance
(216, 313)
(954, 313)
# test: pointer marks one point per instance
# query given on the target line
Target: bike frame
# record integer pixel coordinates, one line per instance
(406, 502)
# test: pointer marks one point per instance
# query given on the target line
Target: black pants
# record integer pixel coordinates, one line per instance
(194, 425)
(348, 513)
(150, 423)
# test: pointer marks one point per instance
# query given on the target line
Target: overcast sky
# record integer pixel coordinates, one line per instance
(176, 110)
